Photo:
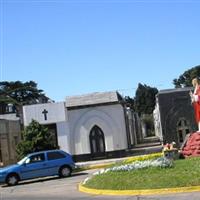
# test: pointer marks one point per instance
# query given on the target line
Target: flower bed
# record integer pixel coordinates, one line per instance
(159, 162)
(182, 174)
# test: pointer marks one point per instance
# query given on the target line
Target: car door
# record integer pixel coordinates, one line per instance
(35, 166)
(56, 159)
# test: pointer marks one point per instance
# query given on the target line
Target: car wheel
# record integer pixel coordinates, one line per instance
(12, 179)
(65, 171)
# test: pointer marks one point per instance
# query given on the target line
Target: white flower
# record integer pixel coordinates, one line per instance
(160, 162)
(96, 173)
(85, 181)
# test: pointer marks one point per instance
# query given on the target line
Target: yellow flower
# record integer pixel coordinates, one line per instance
(144, 157)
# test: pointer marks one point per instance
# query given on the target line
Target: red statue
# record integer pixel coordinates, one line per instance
(192, 145)
(195, 97)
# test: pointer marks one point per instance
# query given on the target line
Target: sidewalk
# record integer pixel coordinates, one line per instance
(143, 150)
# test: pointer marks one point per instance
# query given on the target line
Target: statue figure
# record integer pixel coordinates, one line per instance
(195, 98)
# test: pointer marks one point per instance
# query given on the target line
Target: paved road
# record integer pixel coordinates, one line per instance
(66, 189)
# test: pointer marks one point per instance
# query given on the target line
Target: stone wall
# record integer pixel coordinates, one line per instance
(9, 138)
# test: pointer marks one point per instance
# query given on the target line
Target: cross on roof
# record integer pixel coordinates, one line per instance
(45, 114)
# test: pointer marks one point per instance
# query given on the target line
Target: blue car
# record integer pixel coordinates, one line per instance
(40, 164)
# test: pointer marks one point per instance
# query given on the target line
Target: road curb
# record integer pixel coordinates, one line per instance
(138, 192)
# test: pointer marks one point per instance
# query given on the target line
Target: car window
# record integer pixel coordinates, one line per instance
(22, 161)
(55, 155)
(35, 158)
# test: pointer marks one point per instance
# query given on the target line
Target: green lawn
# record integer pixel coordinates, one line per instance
(184, 173)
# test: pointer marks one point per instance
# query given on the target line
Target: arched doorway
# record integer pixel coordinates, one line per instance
(97, 142)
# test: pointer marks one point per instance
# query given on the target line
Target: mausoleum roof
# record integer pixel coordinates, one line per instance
(175, 90)
(93, 99)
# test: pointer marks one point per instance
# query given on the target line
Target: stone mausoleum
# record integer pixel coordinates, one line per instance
(174, 115)
(92, 126)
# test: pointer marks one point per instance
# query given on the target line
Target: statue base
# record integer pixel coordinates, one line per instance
(192, 145)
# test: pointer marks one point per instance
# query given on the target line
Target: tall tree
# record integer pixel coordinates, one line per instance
(130, 102)
(19, 94)
(145, 99)
(185, 79)
(35, 137)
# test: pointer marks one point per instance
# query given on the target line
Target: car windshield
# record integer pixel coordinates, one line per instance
(22, 161)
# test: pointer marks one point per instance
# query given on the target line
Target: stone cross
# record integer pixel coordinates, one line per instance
(45, 114)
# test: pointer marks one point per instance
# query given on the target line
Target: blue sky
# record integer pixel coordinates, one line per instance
(76, 47)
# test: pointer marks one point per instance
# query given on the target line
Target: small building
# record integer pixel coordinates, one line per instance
(9, 138)
(91, 126)
(10, 134)
(174, 115)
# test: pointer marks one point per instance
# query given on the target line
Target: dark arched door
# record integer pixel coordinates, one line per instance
(97, 142)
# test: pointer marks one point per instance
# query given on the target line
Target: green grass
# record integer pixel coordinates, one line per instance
(184, 173)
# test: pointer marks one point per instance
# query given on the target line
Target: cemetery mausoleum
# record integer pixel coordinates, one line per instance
(92, 126)
(174, 115)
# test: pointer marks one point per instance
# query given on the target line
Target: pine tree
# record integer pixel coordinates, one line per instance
(35, 137)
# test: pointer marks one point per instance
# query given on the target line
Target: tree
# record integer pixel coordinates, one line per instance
(19, 94)
(145, 99)
(148, 120)
(185, 80)
(130, 102)
(35, 137)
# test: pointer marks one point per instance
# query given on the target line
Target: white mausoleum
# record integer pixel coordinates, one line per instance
(89, 126)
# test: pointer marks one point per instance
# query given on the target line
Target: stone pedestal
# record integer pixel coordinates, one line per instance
(192, 145)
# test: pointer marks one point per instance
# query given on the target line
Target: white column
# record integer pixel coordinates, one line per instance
(63, 135)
